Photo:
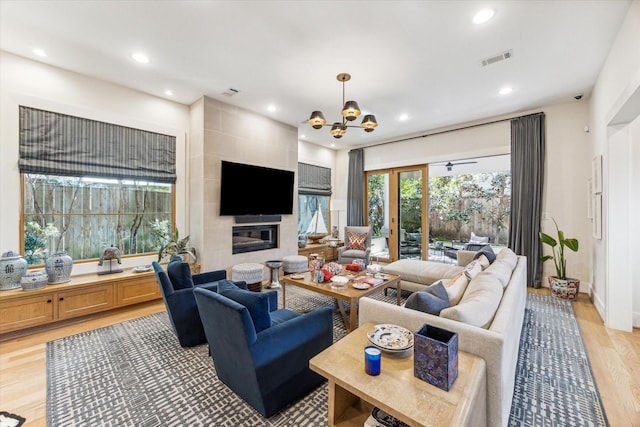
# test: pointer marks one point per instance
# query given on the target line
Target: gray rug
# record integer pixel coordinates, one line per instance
(555, 385)
(136, 374)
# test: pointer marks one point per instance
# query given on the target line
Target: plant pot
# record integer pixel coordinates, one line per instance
(564, 288)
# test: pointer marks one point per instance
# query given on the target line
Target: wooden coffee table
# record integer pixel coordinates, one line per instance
(346, 294)
(353, 393)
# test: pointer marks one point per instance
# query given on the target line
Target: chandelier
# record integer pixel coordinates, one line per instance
(350, 112)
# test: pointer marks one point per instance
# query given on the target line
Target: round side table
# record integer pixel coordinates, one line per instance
(274, 265)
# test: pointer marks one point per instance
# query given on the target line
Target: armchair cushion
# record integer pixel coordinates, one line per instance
(179, 273)
(356, 240)
(257, 303)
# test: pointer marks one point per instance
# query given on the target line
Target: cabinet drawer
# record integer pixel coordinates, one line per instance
(26, 312)
(137, 290)
(85, 301)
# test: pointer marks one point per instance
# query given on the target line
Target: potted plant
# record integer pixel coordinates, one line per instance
(171, 244)
(561, 286)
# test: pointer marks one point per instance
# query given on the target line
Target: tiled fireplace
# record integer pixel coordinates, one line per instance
(251, 238)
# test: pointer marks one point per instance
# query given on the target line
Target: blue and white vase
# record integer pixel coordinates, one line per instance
(59, 267)
(34, 279)
(12, 268)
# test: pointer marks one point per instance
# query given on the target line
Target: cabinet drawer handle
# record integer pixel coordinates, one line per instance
(48, 301)
(61, 299)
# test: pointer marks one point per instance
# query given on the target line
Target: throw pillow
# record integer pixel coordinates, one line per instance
(356, 240)
(257, 303)
(478, 239)
(487, 252)
(431, 300)
(179, 273)
(472, 269)
(455, 288)
(483, 261)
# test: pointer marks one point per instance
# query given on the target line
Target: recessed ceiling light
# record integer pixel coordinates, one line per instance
(333, 144)
(483, 16)
(272, 108)
(140, 57)
(403, 117)
(505, 91)
(168, 92)
(39, 52)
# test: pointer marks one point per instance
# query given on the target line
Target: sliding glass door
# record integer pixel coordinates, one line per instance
(396, 206)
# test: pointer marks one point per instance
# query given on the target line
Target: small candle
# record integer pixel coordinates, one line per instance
(372, 360)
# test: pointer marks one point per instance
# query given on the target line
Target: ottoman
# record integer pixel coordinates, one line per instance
(295, 264)
(252, 273)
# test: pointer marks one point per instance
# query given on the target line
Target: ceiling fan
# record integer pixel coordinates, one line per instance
(450, 165)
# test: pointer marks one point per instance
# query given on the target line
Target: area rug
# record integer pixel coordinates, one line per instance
(136, 374)
(555, 385)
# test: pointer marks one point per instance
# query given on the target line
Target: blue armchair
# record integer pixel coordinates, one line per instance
(262, 353)
(176, 286)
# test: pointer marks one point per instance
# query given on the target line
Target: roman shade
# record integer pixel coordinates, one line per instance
(314, 180)
(58, 144)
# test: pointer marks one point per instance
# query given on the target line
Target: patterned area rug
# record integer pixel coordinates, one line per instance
(136, 374)
(555, 385)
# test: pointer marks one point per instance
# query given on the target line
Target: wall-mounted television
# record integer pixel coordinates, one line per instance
(255, 190)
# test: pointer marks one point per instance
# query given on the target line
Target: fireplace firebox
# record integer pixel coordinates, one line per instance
(250, 238)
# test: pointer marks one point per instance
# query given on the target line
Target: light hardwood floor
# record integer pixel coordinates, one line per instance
(615, 359)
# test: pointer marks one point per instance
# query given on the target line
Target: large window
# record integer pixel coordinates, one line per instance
(85, 215)
(88, 185)
(314, 192)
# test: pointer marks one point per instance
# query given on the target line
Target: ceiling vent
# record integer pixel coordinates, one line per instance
(230, 92)
(497, 58)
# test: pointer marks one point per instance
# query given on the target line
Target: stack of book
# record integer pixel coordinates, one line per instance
(369, 280)
(379, 418)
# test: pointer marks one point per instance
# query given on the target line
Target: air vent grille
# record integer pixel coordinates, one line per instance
(230, 92)
(497, 58)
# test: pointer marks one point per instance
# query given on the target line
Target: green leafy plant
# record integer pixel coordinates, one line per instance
(558, 247)
(171, 243)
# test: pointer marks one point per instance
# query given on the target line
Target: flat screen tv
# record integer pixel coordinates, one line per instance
(255, 190)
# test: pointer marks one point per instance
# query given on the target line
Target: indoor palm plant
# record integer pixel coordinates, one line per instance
(561, 286)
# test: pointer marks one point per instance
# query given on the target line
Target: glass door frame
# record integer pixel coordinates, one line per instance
(392, 199)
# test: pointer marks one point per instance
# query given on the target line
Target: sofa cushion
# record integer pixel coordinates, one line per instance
(356, 240)
(257, 303)
(508, 256)
(483, 261)
(418, 271)
(479, 303)
(472, 269)
(179, 273)
(455, 287)
(501, 270)
(430, 300)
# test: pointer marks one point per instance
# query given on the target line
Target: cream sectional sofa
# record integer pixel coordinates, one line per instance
(488, 319)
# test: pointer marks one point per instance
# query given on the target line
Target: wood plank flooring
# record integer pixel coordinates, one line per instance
(614, 355)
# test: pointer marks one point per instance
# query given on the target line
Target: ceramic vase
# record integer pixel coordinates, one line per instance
(59, 267)
(34, 279)
(12, 268)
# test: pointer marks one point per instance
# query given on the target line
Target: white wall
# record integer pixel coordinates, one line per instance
(26, 82)
(617, 86)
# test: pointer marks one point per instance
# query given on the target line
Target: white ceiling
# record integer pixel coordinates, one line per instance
(420, 58)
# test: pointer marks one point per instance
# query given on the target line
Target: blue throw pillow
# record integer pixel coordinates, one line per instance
(179, 273)
(431, 300)
(488, 252)
(257, 303)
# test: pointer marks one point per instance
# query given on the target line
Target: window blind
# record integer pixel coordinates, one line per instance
(314, 180)
(58, 144)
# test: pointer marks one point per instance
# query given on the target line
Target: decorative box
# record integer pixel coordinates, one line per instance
(435, 356)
